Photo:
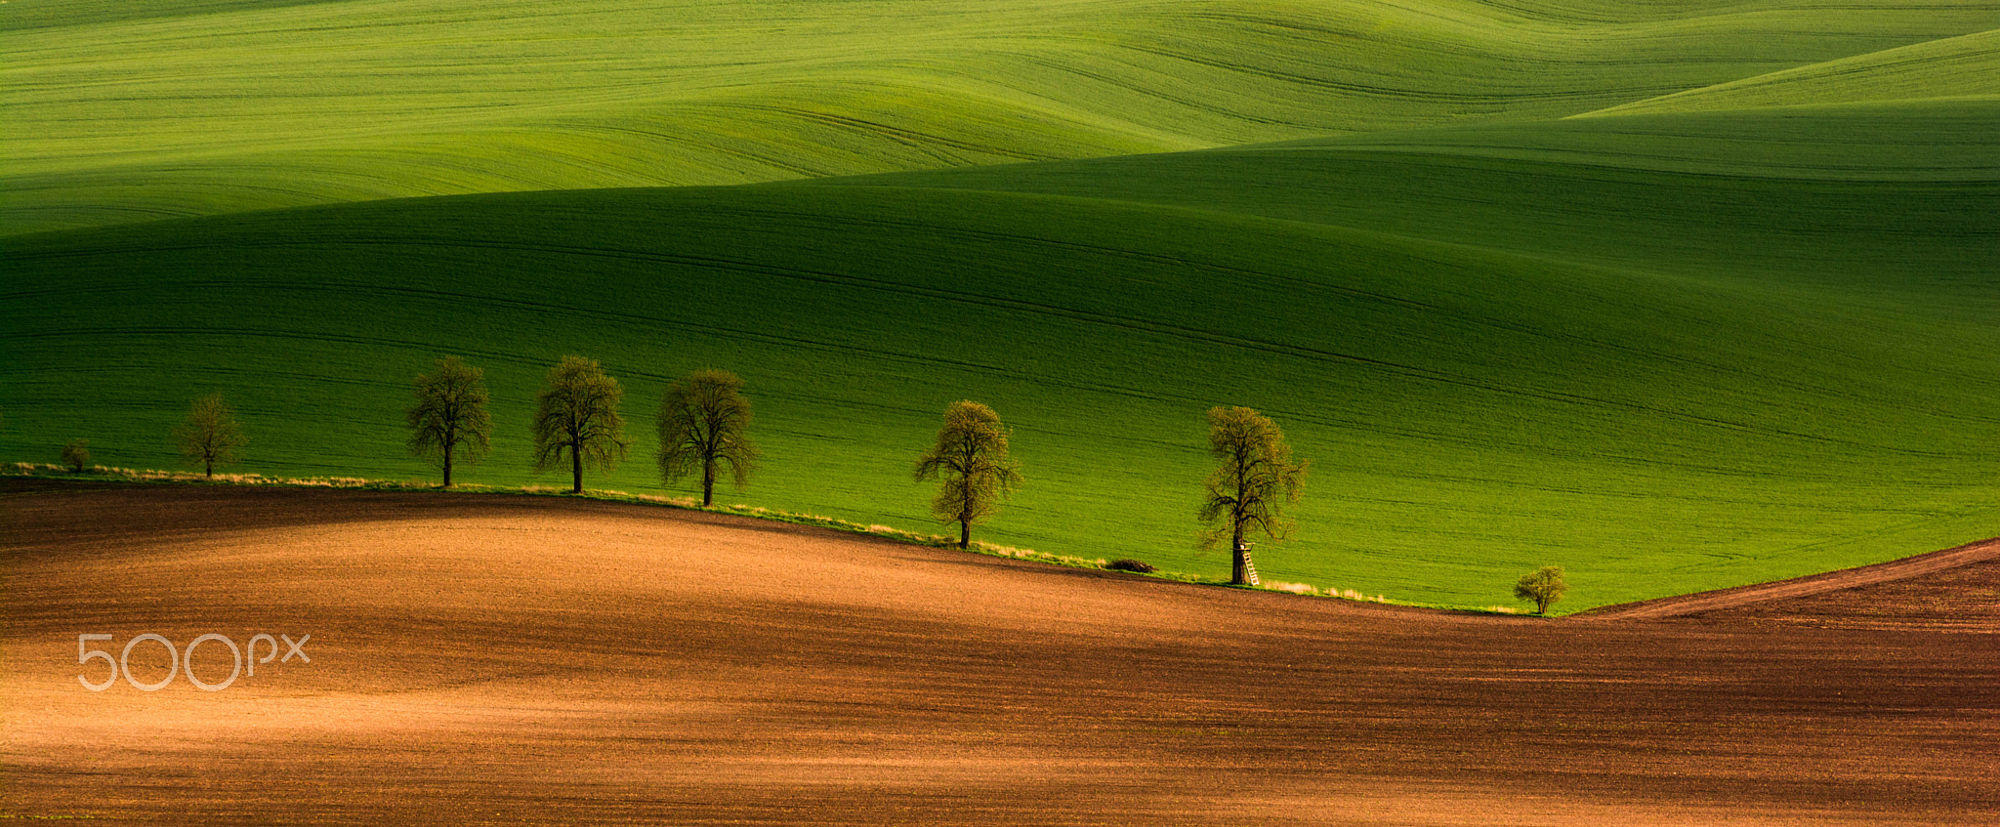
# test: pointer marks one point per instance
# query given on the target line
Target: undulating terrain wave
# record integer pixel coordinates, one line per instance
(1682, 296)
(120, 111)
(536, 659)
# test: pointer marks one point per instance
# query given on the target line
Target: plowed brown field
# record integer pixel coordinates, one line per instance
(491, 658)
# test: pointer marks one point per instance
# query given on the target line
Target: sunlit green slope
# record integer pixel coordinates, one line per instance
(1667, 363)
(1876, 198)
(1954, 68)
(117, 111)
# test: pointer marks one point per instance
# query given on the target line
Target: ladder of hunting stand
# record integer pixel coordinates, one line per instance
(1249, 567)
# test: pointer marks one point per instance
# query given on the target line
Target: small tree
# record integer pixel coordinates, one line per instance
(971, 458)
(577, 415)
(702, 422)
(210, 436)
(76, 455)
(1248, 492)
(1543, 587)
(450, 421)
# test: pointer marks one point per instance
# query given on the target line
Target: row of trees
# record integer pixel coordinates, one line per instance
(704, 420)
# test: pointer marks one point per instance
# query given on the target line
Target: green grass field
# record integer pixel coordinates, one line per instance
(1680, 299)
(117, 111)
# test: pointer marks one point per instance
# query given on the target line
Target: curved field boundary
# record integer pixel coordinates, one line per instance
(540, 659)
(1907, 567)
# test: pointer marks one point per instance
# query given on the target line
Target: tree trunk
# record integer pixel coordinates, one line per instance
(964, 533)
(576, 466)
(1239, 570)
(208, 467)
(707, 483)
(447, 467)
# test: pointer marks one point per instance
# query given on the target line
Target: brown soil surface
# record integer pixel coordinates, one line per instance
(491, 658)
(1956, 588)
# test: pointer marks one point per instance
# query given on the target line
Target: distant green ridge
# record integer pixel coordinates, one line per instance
(116, 111)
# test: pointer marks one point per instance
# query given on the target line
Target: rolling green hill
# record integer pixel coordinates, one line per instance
(1890, 198)
(119, 111)
(1659, 425)
(1740, 321)
(1952, 68)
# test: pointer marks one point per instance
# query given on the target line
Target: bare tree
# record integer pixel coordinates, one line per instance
(1248, 492)
(210, 436)
(450, 421)
(76, 455)
(971, 458)
(577, 415)
(1543, 587)
(702, 422)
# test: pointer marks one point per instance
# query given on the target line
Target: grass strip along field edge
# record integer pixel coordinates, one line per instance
(1657, 608)
(146, 476)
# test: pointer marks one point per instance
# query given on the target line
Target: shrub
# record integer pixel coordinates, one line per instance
(76, 455)
(1131, 565)
(1542, 587)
